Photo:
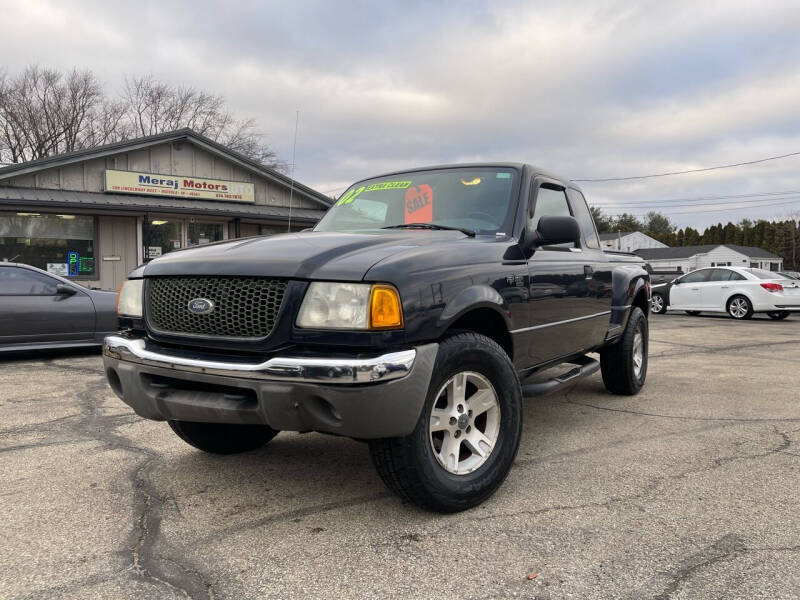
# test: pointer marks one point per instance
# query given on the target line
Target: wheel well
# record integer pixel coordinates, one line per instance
(732, 296)
(486, 322)
(641, 301)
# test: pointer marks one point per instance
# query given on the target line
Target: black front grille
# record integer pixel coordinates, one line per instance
(244, 307)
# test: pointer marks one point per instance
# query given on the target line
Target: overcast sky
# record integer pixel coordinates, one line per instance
(587, 90)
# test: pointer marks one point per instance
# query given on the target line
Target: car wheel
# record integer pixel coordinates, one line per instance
(658, 304)
(778, 314)
(692, 313)
(468, 432)
(624, 364)
(223, 438)
(739, 307)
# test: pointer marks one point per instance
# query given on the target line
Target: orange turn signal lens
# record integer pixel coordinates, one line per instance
(385, 310)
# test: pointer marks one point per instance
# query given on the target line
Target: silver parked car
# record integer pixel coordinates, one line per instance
(39, 310)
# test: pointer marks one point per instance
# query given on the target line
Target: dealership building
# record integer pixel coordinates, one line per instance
(93, 215)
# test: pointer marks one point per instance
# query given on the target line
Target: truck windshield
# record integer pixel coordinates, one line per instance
(478, 200)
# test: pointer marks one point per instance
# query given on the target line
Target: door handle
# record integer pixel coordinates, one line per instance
(695, 289)
(724, 287)
(587, 272)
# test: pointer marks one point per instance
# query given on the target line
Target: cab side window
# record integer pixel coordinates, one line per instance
(584, 217)
(550, 202)
(22, 282)
(696, 276)
(720, 275)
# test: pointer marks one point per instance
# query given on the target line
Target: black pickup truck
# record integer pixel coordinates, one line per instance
(415, 316)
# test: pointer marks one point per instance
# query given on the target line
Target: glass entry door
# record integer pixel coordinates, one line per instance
(199, 233)
(163, 235)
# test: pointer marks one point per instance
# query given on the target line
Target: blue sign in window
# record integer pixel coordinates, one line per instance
(73, 264)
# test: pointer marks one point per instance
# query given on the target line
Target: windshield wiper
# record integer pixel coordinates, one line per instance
(463, 230)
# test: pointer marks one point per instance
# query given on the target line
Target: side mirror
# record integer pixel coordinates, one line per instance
(555, 230)
(62, 289)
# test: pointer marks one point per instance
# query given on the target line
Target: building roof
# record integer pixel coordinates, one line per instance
(69, 200)
(613, 236)
(185, 134)
(688, 251)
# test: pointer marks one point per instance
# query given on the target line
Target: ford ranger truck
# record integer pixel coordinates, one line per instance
(415, 316)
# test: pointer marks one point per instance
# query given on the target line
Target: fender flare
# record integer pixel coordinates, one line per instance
(627, 281)
(471, 298)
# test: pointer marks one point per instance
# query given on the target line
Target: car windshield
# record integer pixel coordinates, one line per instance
(473, 199)
(762, 274)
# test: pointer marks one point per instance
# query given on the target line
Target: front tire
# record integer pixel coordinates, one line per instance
(778, 314)
(468, 431)
(223, 438)
(739, 307)
(624, 364)
(658, 304)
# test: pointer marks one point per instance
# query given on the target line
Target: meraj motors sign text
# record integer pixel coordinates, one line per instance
(151, 184)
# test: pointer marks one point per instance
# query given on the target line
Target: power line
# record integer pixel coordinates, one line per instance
(645, 203)
(741, 164)
(701, 212)
(752, 202)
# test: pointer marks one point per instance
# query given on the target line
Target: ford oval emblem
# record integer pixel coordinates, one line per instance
(201, 306)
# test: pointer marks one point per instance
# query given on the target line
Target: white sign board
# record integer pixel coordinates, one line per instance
(153, 251)
(59, 269)
(178, 186)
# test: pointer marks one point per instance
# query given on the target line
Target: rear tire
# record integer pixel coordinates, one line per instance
(624, 364)
(223, 438)
(658, 304)
(740, 307)
(778, 314)
(444, 464)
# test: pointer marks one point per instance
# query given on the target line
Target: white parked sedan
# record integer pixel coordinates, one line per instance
(738, 291)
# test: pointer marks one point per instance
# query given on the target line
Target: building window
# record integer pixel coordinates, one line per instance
(163, 235)
(59, 244)
(203, 233)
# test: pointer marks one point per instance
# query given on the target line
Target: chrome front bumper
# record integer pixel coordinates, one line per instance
(347, 371)
(361, 396)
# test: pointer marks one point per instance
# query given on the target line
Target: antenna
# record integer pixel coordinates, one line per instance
(291, 186)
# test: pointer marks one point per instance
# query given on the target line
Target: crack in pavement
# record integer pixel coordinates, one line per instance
(724, 548)
(147, 506)
(92, 424)
(647, 489)
(683, 417)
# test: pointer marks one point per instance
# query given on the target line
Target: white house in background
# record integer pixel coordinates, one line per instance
(628, 241)
(689, 258)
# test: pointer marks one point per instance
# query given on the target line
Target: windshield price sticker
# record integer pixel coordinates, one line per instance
(373, 187)
(419, 204)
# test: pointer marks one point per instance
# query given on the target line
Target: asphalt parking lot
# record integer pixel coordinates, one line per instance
(689, 490)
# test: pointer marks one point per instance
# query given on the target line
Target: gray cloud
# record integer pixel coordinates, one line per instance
(587, 89)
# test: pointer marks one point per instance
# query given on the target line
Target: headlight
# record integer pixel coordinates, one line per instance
(129, 299)
(330, 305)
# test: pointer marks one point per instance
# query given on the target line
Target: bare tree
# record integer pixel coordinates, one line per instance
(153, 106)
(45, 112)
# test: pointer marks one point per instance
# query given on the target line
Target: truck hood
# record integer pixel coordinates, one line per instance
(307, 255)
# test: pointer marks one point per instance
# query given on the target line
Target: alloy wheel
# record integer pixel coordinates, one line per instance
(464, 423)
(638, 352)
(657, 303)
(738, 308)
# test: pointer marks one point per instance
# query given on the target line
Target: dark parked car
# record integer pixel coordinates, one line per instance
(411, 317)
(39, 310)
